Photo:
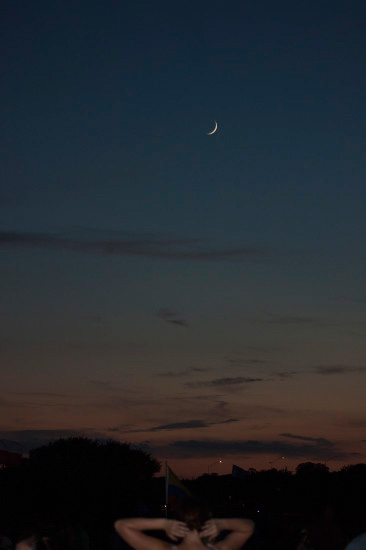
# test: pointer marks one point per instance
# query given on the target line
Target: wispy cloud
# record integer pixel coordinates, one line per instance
(173, 317)
(119, 429)
(223, 382)
(319, 440)
(323, 370)
(329, 370)
(188, 424)
(151, 246)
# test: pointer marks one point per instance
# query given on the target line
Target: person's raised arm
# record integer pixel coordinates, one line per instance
(240, 531)
(132, 531)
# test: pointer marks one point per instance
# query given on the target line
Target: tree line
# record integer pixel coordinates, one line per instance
(93, 483)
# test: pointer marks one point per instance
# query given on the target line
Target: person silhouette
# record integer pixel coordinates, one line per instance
(194, 525)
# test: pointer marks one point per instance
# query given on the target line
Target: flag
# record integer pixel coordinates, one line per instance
(238, 472)
(175, 489)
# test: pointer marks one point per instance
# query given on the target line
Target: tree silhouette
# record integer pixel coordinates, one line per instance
(84, 478)
(311, 468)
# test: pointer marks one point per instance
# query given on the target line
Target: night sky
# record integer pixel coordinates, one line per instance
(201, 296)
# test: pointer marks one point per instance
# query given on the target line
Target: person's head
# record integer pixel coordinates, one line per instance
(193, 512)
(33, 543)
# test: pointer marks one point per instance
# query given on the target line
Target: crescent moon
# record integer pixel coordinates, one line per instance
(213, 131)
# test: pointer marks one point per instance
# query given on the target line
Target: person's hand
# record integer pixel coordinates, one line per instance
(210, 530)
(176, 529)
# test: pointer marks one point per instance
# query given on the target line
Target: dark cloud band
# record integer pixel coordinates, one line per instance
(146, 246)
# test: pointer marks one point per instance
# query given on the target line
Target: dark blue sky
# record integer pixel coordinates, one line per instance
(136, 247)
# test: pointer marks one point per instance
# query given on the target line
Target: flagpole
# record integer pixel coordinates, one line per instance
(166, 488)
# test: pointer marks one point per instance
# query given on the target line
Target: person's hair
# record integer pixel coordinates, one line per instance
(36, 542)
(194, 512)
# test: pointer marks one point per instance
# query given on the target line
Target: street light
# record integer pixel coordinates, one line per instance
(213, 464)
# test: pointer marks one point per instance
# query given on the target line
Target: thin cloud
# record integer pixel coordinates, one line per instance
(192, 424)
(329, 370)
(153, 246)
(173, 317)
(176, 426)
(119, 429)
(220, 382)
(179, 322)
(189, 424)
(319, 440)
(295, 320)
